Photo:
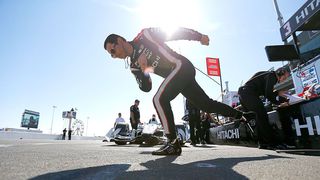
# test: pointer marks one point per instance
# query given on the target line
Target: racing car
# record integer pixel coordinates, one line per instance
(147, 134)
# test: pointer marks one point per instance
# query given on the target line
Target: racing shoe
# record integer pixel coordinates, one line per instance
(170, 148)
(266, 146)
(283, 146)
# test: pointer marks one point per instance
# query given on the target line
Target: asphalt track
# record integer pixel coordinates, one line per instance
(56, 159)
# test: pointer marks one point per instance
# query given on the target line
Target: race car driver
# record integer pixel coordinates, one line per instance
(148, 53)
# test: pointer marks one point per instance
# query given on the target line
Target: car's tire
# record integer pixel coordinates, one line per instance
(120, 142)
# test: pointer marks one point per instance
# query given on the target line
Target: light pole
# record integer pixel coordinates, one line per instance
(87, 126)
(54, 107)
(280, 17)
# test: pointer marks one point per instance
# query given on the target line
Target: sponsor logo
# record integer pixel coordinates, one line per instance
(228, 134)
(147, 52)
(299, 18)
(156, 62)
(309, 126)
(307, 10)
(141, 48)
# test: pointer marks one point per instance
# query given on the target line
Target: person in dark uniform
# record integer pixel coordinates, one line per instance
(64, 134)
(148, 53)
(262, 84)
(135, 114)
(69, 134)
(194, 122)
(206, 119)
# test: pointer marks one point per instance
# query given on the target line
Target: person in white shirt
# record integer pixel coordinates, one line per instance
(119, 120)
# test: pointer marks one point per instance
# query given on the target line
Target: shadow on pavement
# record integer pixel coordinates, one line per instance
(100, 172)
(162, 168)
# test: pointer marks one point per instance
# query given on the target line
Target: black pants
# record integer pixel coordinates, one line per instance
(69, 134)
(194, 123)
(205, 130)
(134, 125)
(252, 102)
(182, 80)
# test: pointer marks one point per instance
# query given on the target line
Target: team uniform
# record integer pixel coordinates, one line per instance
(194, 122)
(152, 55)
(136, 115)
(261, 84)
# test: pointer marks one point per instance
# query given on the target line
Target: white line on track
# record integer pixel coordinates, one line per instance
(5, 145)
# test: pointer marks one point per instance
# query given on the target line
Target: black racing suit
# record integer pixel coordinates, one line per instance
(261, 84)
(151, 54)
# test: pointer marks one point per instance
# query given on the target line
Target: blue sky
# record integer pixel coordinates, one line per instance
(51, 53)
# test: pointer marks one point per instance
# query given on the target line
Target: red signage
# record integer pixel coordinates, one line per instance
(213, 66)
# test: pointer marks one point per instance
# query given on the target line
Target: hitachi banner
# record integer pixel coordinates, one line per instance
(302, 16)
